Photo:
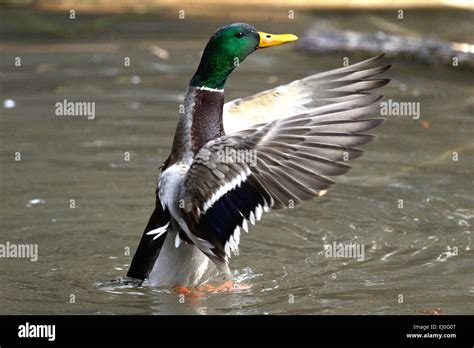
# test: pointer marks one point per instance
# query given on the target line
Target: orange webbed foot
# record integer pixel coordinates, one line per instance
(225, 287)
(197, 291)
(187, 291)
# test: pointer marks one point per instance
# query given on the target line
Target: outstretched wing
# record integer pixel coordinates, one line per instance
(298, 139)
(300, 96)
(273, 165)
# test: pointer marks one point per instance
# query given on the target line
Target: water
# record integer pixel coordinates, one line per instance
(421, 252)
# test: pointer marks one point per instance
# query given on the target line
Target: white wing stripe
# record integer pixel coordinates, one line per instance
(223, 190)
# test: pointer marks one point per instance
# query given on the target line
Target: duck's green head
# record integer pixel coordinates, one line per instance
(227, 48)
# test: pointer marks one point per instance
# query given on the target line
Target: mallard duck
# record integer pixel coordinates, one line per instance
(231, 162)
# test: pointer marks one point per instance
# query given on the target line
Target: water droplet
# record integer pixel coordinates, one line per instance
(9, 104)
(136, 79)
(35, 201)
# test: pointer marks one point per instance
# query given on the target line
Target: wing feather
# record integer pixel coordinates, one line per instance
(323, 89)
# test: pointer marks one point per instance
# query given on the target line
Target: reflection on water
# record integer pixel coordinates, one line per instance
(421, 250)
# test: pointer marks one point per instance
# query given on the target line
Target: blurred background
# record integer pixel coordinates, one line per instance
(133, 59)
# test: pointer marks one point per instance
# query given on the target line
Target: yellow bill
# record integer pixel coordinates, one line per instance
(268, 40)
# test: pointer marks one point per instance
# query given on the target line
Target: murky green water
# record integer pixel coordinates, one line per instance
(421, 251)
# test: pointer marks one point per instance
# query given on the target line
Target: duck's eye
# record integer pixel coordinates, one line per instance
(239, 34)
